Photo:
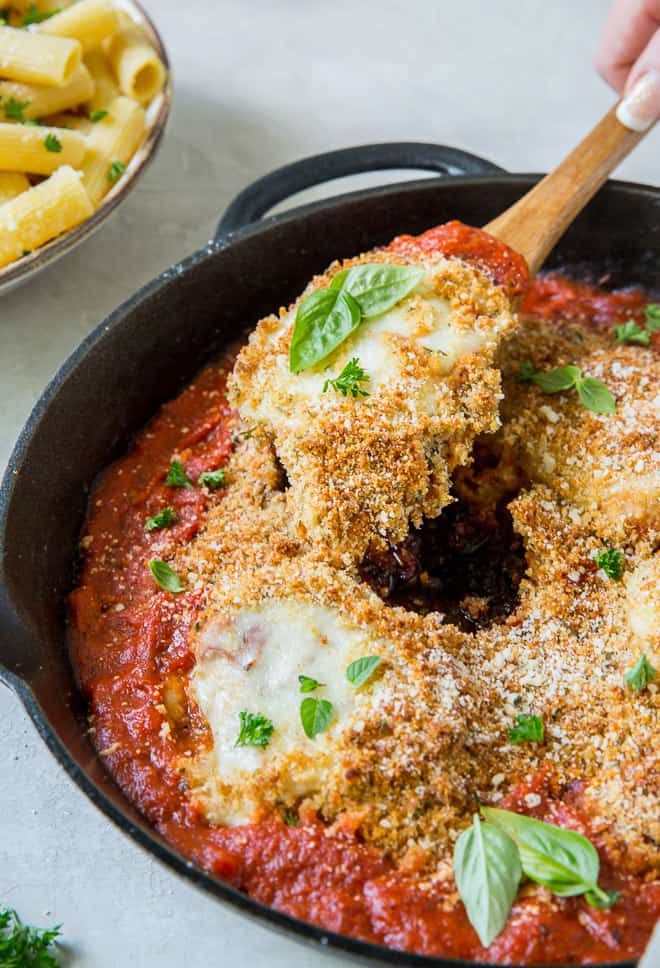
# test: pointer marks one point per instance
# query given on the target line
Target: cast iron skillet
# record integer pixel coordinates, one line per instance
(150, 347)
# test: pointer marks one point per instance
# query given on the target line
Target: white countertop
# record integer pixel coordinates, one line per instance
(257, 85)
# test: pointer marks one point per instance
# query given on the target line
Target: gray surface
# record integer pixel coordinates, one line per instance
(257, 85)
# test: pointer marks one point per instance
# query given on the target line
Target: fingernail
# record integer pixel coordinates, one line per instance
(640, 108)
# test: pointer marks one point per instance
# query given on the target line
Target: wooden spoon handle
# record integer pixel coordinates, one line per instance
(534, 224)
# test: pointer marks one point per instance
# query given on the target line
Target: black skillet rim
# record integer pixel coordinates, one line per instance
(293, 928)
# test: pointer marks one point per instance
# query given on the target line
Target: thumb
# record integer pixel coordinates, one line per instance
(640, 106)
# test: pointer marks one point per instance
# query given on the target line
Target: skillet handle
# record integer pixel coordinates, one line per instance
(264, 193)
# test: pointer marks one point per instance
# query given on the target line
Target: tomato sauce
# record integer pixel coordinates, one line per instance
(475, 246)
(128, 638)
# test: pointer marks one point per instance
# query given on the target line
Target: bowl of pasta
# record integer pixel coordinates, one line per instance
(85, 94)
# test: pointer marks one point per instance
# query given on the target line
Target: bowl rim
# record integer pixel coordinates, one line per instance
(160, 107)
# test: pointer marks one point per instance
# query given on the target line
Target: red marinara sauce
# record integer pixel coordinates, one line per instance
(129, 641)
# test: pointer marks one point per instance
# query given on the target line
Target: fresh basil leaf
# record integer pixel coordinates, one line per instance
(652, 314)
(641, 674)
(315, 715)
(376, 287)
(309, 684)
(526, 372)
(165, 576)
(339, 278)
(602, 898)
(554, 381)
(487, 871)
(359, 671)
(562, 860)
(324, 320)
(595, 395)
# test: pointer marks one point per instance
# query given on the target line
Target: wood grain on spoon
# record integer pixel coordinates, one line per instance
(534, 224)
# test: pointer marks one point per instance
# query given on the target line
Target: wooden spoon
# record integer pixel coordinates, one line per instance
(534, 224)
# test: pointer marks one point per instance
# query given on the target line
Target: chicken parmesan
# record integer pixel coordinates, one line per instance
(368, 615)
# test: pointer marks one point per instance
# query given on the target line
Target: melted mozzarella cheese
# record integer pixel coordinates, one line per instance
(423, 318)
(643, 594)
(251, 663)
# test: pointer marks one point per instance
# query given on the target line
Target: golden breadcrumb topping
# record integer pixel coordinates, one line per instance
(362, 470)
(430, 733)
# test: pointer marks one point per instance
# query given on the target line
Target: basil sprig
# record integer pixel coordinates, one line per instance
(562, 860)
(165, 577)
(593, 393)
(324, 320)
(377, 286)
(315, 715)
(361, 670)
(327, 317)
(487, 871)
(491, 857)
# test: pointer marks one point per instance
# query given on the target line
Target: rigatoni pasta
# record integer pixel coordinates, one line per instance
(139, 70)
(75, 79)
(90, 22)
(103, 77)
(39, 150)
(12, 183)
(112, 143)
(39, 101)
(36, 59)
(41, 213)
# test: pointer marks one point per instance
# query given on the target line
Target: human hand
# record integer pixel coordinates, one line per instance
(628, 58)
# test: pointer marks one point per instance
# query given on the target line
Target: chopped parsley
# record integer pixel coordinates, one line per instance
(641, 674)
(97, 116)
(593, 393)
(652, 316)
(291, 818)
(349, 380)
(35, 16)
(315, 715)
(164, 519)
(255, 729)
(22, 946)
(14, 110)
(165, 577)
(176, 476)
(611, 562)
(52, 143)
(212, 479)
(361, 670)
(116, 170)
(308, 684)
(528, 729)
